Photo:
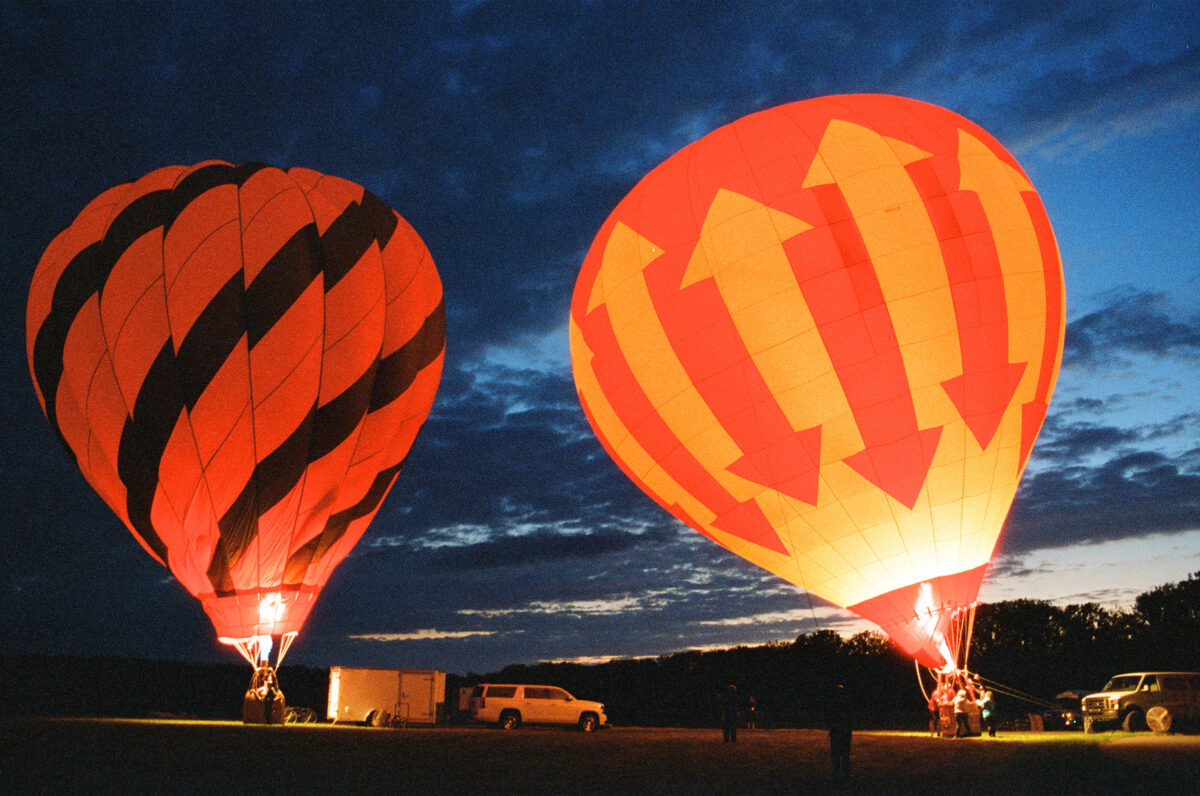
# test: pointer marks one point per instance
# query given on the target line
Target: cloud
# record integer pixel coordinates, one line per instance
(790, 616)
(426, 634)
(1133, 322)
(576, 608)
(1126, 495)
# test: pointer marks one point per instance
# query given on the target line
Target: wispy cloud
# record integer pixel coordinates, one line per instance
(425, 634)
(620, 605)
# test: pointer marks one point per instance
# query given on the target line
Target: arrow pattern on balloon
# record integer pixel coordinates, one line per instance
(1033, 413)
(621, 331)
(744, 236)
(974, 264)
(850, 306)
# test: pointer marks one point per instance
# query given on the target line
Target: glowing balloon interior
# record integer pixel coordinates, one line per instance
(239, 358)
(825, 336)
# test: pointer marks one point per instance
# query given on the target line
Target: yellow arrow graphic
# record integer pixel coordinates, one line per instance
(644, 344)
(741, 248)
(894, 225)
(999, 187)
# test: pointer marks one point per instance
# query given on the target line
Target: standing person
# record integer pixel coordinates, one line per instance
(730, 714)
(751, 714)
(987, 712)
(962, 729)
(935, 712)
(841, 728)
(268, 690)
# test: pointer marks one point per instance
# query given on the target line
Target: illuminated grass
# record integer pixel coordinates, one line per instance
(205, 756)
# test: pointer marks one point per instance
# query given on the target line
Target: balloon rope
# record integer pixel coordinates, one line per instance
(970, 633)
(1009, 691)
(285, 643)
(920, 681)
(812, 610)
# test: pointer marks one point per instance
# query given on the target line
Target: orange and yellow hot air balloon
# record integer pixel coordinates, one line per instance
(825, 337)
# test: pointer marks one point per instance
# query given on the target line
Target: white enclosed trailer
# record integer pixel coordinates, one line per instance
(386, 696)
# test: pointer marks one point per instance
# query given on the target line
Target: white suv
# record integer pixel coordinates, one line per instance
(510, 706)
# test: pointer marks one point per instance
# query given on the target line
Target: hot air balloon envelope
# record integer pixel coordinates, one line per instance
(825, 336)
(239, 359)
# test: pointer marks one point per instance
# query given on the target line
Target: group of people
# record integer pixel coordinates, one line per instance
(959, 692)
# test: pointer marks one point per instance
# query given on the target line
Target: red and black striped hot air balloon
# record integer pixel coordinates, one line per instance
(239, 358)
(825, 337)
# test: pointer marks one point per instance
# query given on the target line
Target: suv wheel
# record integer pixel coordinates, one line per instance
(1134, 721)
(510, 720)
(588, 722)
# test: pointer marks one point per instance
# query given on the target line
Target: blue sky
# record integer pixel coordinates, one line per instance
(505, 132)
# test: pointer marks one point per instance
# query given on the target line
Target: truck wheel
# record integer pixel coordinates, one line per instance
(1134, 721)
(378, 718)
(1159, 719)
(510, 720)
(588, 722)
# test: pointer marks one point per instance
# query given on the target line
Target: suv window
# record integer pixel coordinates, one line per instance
(502, 691)
(1150, 683)
(539, 692)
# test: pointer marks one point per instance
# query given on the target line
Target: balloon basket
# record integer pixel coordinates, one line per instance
(264, 702)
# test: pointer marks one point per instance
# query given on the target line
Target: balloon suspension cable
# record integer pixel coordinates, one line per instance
(966, 647)
(957, 646)
(920, 680)
(257, 649)
(959, 637)
(1014, 693)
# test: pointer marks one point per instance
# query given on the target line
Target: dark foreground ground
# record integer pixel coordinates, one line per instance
(124, 756)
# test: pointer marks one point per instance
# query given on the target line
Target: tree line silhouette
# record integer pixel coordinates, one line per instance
(1030, 646)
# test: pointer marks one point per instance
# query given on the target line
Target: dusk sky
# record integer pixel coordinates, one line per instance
(505, 133)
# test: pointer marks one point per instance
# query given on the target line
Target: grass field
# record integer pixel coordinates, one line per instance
(94, 755)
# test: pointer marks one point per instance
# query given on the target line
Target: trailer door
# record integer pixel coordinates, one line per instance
(416, 696)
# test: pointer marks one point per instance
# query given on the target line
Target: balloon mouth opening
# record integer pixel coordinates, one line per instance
(930, 620)
(253, 613)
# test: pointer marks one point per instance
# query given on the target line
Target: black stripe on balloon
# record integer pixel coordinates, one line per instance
(383, 218)
(282, 281)
(337, 420)
(174, 381)
(210, 341)
(84, 277)
(299, 562)
(396, 374)
(238, 525)
(357, 229)
(273, 478)
(147, 212)
(143, 440)
(208, 177)
(399, 369)
(79, 281)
